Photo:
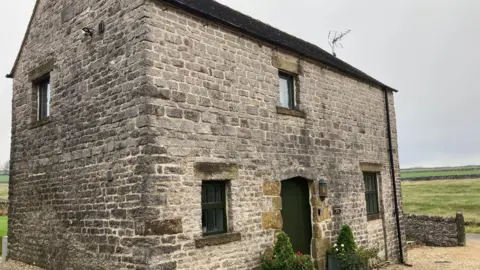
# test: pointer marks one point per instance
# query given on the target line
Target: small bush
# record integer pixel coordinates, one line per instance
(351, 257)
(346, 239)
(284, 258)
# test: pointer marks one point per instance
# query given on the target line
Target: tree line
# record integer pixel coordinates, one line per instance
(5, 167)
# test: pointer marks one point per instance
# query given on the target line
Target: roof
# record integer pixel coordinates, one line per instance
(12, 73)
(214, 11)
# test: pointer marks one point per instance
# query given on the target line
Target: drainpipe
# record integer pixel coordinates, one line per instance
(392, 173)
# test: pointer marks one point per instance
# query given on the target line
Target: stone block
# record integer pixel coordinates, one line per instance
(277, 203)
(272, 220)
(272, 188)
(286, 65)
(164, 266)
(163, 227)
(215, 240)
(215, 171)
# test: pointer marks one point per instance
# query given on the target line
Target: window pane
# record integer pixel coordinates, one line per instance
(219, 220)
(211, 220)
(371, 193)
(369, 209)
(213, 207)
(43, 99)
(48, 98)
(210, 194)
(204, 221)
(284, 92)
(218, 194)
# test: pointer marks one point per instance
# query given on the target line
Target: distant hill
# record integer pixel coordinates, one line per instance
(446, 168)
(463, 172)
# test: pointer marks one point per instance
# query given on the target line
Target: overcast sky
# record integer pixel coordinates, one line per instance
(427, 49)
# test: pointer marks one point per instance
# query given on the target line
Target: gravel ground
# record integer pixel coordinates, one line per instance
(421, 258)
(457, 258)
(15, 265)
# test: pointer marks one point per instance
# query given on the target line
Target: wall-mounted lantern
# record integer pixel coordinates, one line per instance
(322, 189)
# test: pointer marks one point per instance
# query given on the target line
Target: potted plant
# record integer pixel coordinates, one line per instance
(345, 255)
(284, 258)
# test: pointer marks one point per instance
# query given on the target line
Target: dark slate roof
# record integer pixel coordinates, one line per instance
(214, 11)
(224, 15)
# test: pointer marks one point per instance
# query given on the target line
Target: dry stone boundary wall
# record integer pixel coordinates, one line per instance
(436, 231)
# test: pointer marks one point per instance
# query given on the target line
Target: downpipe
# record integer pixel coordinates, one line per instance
(392, 173)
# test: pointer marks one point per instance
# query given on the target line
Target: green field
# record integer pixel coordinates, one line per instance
(439, 172)
(3, 191)
(3, 178)
(3, 229)
(443, 198)
(3, 226)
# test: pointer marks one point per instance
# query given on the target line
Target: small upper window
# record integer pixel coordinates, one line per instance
(287, 90)
(214, 217)
(42, 87)
(371, 195)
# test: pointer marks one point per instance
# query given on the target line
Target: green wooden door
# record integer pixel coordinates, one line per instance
(296, 213)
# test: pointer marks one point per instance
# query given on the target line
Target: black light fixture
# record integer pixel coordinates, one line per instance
(101, 27)
(88, 31)
(322, 189)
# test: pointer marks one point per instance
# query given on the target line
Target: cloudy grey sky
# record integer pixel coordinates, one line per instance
(428, 49)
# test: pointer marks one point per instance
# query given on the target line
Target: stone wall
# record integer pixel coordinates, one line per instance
(215, 94)
(77, 186)
(436, 231)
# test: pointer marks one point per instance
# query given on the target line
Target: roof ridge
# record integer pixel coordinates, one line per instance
(229, 17)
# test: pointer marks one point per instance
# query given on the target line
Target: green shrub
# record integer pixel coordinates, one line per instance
(351, 257)
(284, 258)
(346, 239)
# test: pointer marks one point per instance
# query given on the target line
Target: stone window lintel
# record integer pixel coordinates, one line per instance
(283, 64)
(41, 70)
(371, 167)
(214, 171)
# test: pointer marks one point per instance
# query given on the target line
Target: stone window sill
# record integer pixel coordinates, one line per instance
(218, 239)
(291, 112)
(40, 123)
(373, 217)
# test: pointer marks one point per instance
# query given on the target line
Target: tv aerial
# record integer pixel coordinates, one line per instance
(334, 38)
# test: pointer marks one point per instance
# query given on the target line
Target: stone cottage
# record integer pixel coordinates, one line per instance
(182, 134)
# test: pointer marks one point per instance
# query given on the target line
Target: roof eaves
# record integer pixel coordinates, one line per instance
(12, 72)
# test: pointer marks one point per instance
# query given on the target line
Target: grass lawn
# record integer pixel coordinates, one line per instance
(3, 191)
(443, 198)
(420, 173)
(3, 226)
(3, 229)
(3, 178)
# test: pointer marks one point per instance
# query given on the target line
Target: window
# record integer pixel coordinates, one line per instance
(371, 195)
(42, 86)
(214, 217)
(287, 90)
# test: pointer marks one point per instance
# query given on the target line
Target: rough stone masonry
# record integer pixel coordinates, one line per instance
(160, 99)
